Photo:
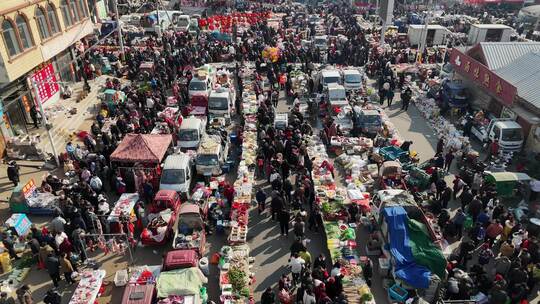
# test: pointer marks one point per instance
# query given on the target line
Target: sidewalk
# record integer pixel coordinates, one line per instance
(65, 124)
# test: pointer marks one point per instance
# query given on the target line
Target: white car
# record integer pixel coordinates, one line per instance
(352, 79)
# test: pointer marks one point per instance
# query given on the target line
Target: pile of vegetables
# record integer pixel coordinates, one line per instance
(237, 278)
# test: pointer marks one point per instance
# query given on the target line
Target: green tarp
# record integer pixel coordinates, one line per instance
(425, 252)
(180, 282)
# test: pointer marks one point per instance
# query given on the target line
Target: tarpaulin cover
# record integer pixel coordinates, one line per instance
(142, 148)
(407, 269)
(180, 282)
(425, 252)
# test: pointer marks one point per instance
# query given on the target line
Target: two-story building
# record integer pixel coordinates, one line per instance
(38, 41)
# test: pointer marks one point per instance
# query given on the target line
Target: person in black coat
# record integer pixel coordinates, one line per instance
(13, 172)
(53, 267)
(268, 296)
(284, 218)
(276, 204)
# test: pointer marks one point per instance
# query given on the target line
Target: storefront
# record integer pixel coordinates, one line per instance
(495, 91)
(495, 94)
(16, 104)
(63, 65)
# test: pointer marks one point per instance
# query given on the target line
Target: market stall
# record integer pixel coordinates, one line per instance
(185, 285)
(234, 275)
(28, 199)
(141, 285)
(162, 214)
(138, 157)
(89, 287)
(122, 212)
(339, 233)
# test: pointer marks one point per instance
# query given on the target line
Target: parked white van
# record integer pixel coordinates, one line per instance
(211, 155)
(177, 173)
(191, 133)
(329, 76)
(352, 79)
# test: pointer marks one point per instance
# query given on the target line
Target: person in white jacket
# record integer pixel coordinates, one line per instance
(309, 297)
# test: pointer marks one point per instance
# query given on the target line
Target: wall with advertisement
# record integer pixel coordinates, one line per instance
(490, 82)
(47, 84)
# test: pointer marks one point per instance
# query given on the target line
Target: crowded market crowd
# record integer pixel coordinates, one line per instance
(496, 255)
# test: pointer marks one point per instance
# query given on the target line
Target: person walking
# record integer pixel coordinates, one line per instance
(34, 115)
(299, 227)
(448, 158)
(406, 99)
(53, 267)
(440, 146)
(260, 197)
(284, 217)
(296, 263)
(67, 268)
(446, 196)
(390, 97)
(268, 296)
(13, 172)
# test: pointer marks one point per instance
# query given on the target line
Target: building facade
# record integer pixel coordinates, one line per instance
(38, 41)
(504, 78)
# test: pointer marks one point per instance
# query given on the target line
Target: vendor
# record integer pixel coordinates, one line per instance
(479, 117)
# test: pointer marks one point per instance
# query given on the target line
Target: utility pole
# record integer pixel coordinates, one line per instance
(119, 29)
(423, 35)
(45, 122)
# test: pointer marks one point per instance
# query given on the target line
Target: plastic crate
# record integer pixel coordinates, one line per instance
(398, 293)
(392, 153)
(121, 278)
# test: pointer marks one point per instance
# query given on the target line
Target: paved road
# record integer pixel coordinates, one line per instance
(271, 251)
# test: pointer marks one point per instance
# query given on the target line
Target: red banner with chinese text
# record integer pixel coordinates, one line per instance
(483, 77)
(46, 82)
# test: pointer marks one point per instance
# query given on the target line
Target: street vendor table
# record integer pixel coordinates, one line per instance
(28, 199)
(123, 208)
(139, 274)
(340, 236)
(88, 289)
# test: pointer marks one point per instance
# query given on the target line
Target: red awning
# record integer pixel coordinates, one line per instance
(142, 148)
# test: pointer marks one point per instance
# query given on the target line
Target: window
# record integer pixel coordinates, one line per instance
(83, 8)
(68, 20)
(24, 32)
(74, 11)
(173, 176)
(494, 35)
(53, 19)
(10, 38)
(42, 23)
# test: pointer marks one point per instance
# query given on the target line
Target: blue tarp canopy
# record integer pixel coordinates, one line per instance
(407, 269)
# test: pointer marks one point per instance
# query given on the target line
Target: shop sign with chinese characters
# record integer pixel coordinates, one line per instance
(46, 82)
(483, 77)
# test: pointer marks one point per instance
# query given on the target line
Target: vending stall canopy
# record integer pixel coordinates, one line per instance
(142, 148)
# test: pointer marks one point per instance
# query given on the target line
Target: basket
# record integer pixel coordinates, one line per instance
(398, 293)
(121, 278)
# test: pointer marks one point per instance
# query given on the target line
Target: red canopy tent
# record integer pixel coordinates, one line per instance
(142, 148)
